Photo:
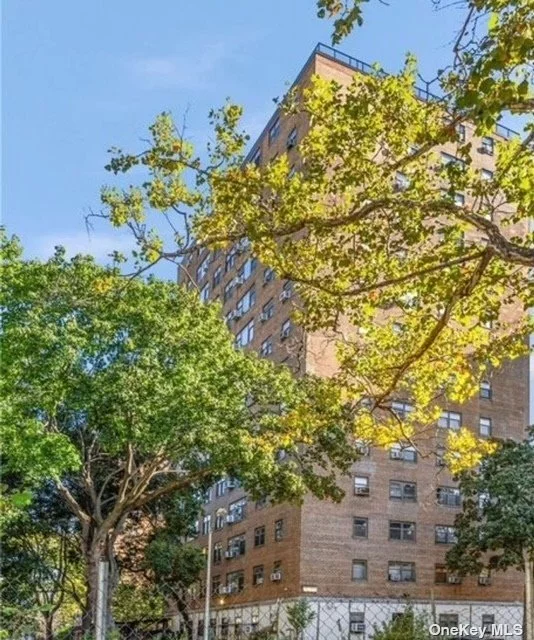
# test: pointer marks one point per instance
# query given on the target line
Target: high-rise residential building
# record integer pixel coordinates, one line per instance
(388, 538)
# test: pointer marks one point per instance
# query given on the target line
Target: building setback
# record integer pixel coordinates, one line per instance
(389, 536)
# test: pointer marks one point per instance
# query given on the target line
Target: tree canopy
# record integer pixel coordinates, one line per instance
(495, 530)
(121, 392)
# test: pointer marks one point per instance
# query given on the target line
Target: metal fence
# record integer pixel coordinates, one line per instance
(138, 610)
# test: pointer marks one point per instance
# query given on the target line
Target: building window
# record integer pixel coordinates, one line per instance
(357, 622)
(206, 525)
(230, 260)
(274, 131)
(205, 292)
(401, 571)
(278, 530)
(246, 302)
(459, 199)
(359, 570)
(484, 427)
(402, 531)
(256, 158)
(219, 522)
(487, 174)
(237, 546)
(268, 275)
(237, 510)
(228, 291)
(215, 585)
(203, 268)
(485, 390)
(257, 575)
(400, 452)
(450, 420)
(361, 486)
(217, 276)
(235, 581)
(461, 132)
(292, 138)
(247, 269)
(246, 335)
(449, 496)
(445, 534)
(440, 574)
(266, 347)
(401, 409)
(447, 158)
(406, 491)
(217, 552)
(259, 536)
(448, 619)
(285, 330)
(488, 145)
(267, 311)
(360, 527)
(220, 487)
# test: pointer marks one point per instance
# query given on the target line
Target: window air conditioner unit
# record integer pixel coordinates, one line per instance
(230, 518)
(362, 491)
(486, 150)
(231, 484)
(259, 580)
(233, 588)
(454, 579)
(357, 627)
(484, 581)
(276, 576)
(263, 317)
(239, 281)
(223, 590)
(396, 454)
(237, 314)
(230, 553)
(285, 295)
(394, 578)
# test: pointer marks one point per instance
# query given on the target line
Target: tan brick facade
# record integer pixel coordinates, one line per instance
(318, 547)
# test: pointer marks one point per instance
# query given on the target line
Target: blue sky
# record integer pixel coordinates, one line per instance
(79, 77)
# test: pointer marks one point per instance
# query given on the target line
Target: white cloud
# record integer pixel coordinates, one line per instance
(187, 71)
(97, 244)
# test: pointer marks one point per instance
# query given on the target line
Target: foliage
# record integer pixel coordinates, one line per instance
(299, 615)
(407, 626)
(121, 392)
(496, 527)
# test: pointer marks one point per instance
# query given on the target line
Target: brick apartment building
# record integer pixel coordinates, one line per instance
(389, 536)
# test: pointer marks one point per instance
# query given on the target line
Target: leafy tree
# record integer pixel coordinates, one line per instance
(383, 245)
(42, 587)
(299, 615)
(407, 626)
(177, 567)
(123, 392)
(496, 527)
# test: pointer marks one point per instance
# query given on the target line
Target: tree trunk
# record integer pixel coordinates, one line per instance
(528, 633)
(49, 627)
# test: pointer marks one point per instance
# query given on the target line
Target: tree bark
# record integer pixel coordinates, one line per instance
(528, 633)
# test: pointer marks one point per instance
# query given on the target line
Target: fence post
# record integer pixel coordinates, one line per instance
(102, 601)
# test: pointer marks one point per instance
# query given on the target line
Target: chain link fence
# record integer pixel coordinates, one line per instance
(139, 610)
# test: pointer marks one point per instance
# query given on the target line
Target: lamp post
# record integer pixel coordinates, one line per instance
(207, 599)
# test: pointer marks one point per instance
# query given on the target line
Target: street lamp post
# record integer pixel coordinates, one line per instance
(207, 599)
